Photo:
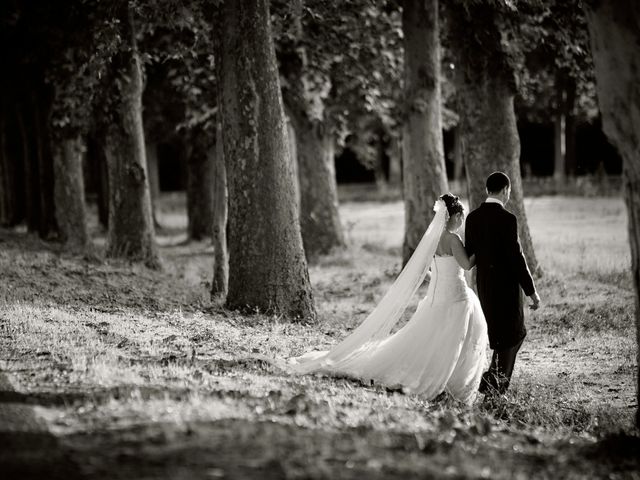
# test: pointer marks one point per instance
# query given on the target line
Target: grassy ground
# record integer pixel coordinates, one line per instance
(139, 375)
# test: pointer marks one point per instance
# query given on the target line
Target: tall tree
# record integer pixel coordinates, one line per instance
(41, 105)
(267, 266)
(615, 39)
(424, 172)
(314, 136)
(97, 162)
(11, 207)
(340, 64)
(131, 232)
(73, 79)
(486, 80)
(557, 75)
(180, 99)
(69, 193)
(199, 188)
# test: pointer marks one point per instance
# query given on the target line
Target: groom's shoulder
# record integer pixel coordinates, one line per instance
(485, 211)
(473, 214)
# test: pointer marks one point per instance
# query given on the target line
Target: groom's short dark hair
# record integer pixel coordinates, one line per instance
(497, 181)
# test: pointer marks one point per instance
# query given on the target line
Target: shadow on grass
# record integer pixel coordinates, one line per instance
(94, 396)
(35, 455)
(27, 449)
(242, 449)
(41, 272)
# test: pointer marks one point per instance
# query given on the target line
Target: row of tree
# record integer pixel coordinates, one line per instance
(259, 94)
(113, 79)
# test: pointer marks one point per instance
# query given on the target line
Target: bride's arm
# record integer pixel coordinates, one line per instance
(460, 254)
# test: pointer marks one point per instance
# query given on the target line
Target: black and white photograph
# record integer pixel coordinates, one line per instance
(319, 239)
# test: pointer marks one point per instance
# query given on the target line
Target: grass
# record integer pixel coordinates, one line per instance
(139, 367)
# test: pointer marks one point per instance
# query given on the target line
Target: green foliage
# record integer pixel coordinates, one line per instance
(555, 41)
(532, 41)
(353, 65)
(50, 47)
(180, 94)
(76, 48)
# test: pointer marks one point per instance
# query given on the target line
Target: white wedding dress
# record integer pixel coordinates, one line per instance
(442, 348)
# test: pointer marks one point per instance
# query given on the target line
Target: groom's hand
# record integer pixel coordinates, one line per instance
(535, 301)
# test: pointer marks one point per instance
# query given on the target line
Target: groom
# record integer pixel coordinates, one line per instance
(491, 234)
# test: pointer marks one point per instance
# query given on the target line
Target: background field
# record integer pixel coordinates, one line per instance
(139, 369)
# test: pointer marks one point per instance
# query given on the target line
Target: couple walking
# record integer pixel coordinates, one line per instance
(442, 348)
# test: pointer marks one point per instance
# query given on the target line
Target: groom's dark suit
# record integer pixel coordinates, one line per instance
(491, 234)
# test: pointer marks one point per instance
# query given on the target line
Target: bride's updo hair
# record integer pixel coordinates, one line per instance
(453, 204)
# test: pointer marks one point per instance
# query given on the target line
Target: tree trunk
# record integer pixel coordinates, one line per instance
(615, 36)
(317, 188)
(7, 182)
(485, 92)
(319, 219)
(99, 174)
(380, 172)
(154, 179)
(32, 199)
(220, 283)
(131, 233)
(570, 128)
(11, 188)
(103, 184)
(293, 152)
(424, 171)
(199, 191)
(458, 161)
(70, 206)
(47, 227)
(395, 161)
(267, 266)
(559, 125)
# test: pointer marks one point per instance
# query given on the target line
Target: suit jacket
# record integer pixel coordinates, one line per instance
(491, 234)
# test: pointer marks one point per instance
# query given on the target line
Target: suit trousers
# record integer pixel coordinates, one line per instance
(498, 377)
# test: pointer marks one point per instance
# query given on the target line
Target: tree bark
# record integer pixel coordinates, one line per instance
(96, 146)
(380, 173)
(220, 283)
(424, 171)
(154, 178)
(293, 152)
(319, 218)
(615, 35)
(559, 128)
(199, 191)
(267, 266)
(485, 85)
(131, 233)
(70, 204)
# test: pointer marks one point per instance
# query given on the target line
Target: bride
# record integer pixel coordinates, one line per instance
(442, 348)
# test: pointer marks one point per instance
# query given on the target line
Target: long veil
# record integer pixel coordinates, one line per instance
(388, 312)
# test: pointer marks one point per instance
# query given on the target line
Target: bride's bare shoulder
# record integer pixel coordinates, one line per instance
(450, 236)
